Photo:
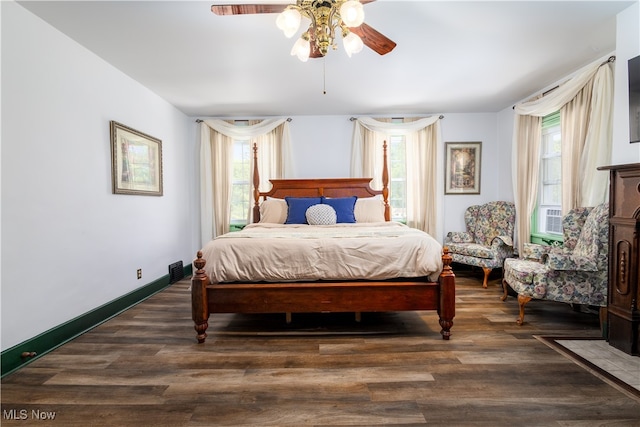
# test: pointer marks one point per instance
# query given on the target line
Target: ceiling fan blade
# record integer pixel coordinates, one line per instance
(374, 39)
(245, 9)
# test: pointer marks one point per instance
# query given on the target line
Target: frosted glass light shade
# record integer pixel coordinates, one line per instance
(352, 13)
(289, 22)
(352, 44)
(302, 49)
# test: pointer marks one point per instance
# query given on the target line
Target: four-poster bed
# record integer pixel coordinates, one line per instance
(429, 285)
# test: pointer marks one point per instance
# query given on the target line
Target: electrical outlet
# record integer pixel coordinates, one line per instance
(139, 273)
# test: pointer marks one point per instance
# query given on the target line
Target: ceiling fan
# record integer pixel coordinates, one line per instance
(327, 17)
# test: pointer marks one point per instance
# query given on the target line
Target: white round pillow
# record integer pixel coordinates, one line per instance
(321, 215)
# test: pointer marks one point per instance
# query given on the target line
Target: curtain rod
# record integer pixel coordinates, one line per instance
(200, 120)
(355, 118)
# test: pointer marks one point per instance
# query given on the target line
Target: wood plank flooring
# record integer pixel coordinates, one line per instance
(144, 368)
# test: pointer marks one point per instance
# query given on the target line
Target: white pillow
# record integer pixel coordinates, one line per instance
(370, 209)
(273, 211)
(321, 215)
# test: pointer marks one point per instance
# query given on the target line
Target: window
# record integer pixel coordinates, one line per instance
(398, 176)
(547, 223)
(240, 184)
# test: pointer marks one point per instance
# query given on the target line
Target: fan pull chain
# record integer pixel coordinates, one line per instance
(324, 75)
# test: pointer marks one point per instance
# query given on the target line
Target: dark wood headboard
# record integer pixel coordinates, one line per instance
(316, 187)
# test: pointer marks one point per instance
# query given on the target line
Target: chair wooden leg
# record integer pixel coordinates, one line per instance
(487, 271)
(522, 300)
(505, 290)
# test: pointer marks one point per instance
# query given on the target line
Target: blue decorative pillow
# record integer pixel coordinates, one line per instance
(321, 215)
(344, 207)
(297, 208)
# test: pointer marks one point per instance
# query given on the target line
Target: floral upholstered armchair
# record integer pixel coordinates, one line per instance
(575, 272)
(488, 240)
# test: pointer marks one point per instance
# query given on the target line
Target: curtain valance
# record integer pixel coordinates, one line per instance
(238, 132)
(396, 128)
(554, 100)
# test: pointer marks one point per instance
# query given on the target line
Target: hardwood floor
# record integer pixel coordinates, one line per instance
(144, 368)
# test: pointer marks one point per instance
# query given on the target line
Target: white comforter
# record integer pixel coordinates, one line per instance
(275, 252)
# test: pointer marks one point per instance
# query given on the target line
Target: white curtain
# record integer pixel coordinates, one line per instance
(216, 157)
(423, 160)
(599, 141)
(585, 103)
(574, 123)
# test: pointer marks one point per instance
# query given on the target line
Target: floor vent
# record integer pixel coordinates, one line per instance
(176, 272)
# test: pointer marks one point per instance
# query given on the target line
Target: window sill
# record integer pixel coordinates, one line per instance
(547, 239)
(236, 227)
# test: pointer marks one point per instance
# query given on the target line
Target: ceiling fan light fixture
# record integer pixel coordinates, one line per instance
(324, 18)
(302, 48)
(289, 21)
(352, 43)
(352, 13)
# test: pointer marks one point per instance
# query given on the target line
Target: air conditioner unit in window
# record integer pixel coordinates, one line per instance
(553, 221)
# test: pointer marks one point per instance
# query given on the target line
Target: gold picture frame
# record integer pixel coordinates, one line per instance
(462, 168)
(136, 162)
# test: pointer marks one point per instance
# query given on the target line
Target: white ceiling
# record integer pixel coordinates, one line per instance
(452, 56)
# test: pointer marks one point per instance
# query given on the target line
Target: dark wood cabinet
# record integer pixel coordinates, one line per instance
(623, 317)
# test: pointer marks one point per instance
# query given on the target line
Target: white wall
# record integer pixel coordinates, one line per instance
(468, 128)
(504, 120)
(322, 149)
(321, 146)
(68, 244)
(627, 47)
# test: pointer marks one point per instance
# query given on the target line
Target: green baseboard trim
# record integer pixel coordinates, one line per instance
(42, 344)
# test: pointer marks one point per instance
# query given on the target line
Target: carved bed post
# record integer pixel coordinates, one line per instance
(447, 305)
(199, 301)
(385, 183)
(256, 185)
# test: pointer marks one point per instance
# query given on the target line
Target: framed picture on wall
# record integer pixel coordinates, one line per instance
(462, 168)
(136, 161)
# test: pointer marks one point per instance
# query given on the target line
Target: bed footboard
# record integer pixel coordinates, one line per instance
(358, 296)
